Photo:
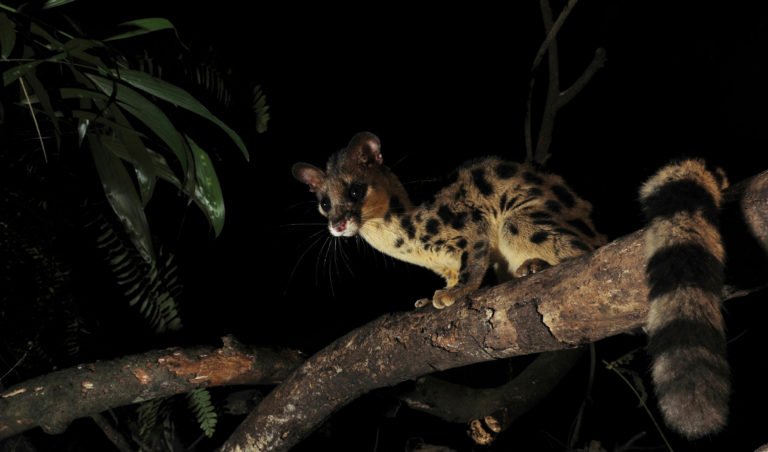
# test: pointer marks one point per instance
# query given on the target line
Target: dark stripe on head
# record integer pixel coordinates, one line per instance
(502, 201)
(540, 214)
(478, 178)
(682, 266)
(680, 196)
(564, 195)
(425, 238)
(512, 228)
(461, 243)
(480, 244)
(477, 215)
(463, 277)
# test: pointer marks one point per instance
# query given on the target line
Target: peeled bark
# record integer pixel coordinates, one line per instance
(54, 400)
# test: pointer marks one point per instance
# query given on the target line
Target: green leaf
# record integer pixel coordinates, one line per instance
(200, 403)
(129, 147)
(122, 196)
(144, 26)
(55, 3)
(180, 98)
(139, 156)
(53, 43)
(207, 193)
(78, 48)
(148, 113)
(7, 36)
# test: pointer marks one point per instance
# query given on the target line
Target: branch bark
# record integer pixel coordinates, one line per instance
(579, 301)
(53, 401)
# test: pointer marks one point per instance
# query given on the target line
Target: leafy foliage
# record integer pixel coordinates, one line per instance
(154, 287)
(205, 412)
(156, 431)
(80, 86)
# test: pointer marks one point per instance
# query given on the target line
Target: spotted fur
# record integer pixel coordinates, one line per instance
(493, 214)
(684, 270)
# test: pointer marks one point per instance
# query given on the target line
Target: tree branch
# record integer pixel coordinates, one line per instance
(53, 401)
(576, 302)
(598, 61)
(459, 403)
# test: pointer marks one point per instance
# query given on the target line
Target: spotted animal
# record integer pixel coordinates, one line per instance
(518, 220)
(490, 214)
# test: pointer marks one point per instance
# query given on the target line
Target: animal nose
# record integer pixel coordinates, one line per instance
(341, 225)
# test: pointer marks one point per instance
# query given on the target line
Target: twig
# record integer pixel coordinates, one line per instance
(612, 367)
(598, 61)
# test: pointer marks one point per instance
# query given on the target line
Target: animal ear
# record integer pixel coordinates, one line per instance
(309, 174)
(365, 149)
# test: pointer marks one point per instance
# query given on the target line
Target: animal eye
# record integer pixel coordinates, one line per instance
(357, 192)
(325, 204)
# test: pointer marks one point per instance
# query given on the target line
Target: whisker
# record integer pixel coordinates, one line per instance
(320, 256)
(345, 259)
(325, 263)
(301, 258)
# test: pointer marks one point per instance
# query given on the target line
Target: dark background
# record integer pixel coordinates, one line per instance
(441, 84)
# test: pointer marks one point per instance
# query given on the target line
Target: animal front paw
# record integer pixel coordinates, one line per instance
(530, 267)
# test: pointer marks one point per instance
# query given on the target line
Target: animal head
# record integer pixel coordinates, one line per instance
(353, 188)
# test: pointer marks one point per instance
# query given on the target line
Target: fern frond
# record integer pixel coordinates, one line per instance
(152, 287)
(205, 413)
(148, 417)
(156, 429)
(260, 109)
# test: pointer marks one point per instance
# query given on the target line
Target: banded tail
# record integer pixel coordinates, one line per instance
(684, 270)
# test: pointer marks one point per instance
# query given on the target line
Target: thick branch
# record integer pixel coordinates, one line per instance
(574, 303)
(53, 401)
(459, 403)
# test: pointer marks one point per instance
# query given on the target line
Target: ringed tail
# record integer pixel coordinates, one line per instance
(684, 270)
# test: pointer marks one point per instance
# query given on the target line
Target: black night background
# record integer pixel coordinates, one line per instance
(438, 84)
